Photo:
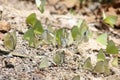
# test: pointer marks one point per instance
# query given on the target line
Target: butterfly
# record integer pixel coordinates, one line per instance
(10, 40)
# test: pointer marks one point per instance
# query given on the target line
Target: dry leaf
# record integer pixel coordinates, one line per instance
(4, 26)
(70, 3)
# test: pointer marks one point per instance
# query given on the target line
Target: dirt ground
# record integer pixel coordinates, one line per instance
(23, 62)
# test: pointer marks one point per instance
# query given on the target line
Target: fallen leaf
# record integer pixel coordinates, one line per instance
(4, 26)
(71, 3)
